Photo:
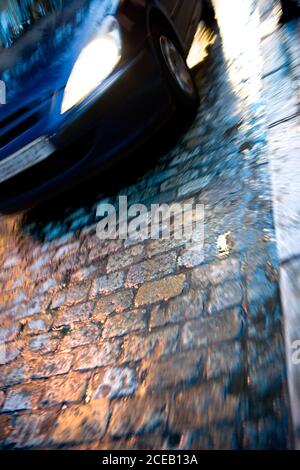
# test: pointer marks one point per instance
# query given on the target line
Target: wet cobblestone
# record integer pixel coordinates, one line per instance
(112, 344)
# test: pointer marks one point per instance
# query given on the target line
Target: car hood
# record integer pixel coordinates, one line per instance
(40, 42)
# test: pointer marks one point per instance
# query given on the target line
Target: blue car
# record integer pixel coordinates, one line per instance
(85, 81)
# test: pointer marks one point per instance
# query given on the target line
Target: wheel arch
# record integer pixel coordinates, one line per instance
(157, 15)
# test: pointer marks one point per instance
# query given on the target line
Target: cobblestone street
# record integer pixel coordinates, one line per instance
(160, 344)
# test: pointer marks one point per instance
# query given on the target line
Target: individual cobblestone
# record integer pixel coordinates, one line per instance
(261, 378)
(180, 370)
(35, 307)
(114, 382)
(137, 347)
(2, 398)
(97, 355)
(191, 257)
(262, 434)
(179, 180)
(185, 307)
(70, 315)
(103, 248)
(138, 416)
(107, 284)
(44, 343)
(164, 289)
(79, 335)
(31, 430)
(125, 258)
(9, 332)
(38, 324)
(10, 351)
(218, 438)
(114, 303)
(202, 406)
(224, 360)
(216, 273)
(156, 247)
(66, 250)
(48, 365)
(22, 397)
(124, 323)
(194, 186)
(64, 389)
(151, 269)
(90, 272)
(47, 286)
(81, 423)
(222, 327)
(68, 297)
(6, 427)
(222, 297)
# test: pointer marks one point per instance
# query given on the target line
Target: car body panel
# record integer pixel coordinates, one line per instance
(183, 19)
(133, 101)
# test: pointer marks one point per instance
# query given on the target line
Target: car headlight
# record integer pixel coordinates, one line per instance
(94, 64)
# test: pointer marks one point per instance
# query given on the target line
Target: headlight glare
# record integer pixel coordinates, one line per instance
(94, 64)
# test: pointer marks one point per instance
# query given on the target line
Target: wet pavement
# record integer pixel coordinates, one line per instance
(159, 344)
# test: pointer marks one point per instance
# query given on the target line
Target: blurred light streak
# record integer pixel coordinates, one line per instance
(223, 245)
(239, 25)
(203, 38)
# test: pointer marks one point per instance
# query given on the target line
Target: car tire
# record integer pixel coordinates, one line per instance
(175, 70)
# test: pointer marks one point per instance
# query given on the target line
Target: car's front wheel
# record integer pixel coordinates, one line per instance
(176, 71)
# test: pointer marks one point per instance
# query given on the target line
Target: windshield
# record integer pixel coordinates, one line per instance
(17, 15)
